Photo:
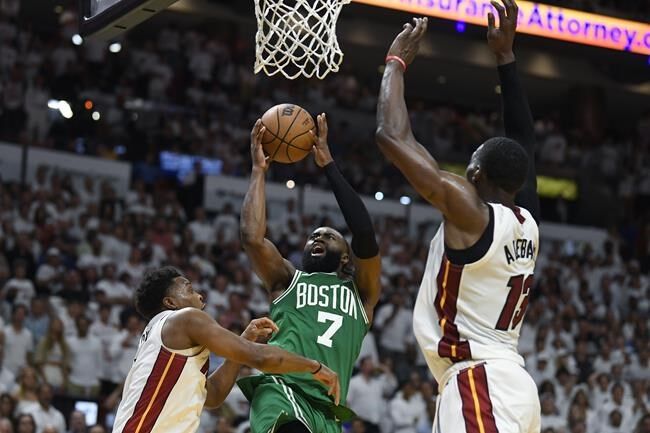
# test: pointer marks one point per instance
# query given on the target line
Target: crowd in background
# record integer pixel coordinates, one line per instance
(192, 90)
(72, 253)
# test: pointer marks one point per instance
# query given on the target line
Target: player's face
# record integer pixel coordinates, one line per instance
(325, 251)
(183, 295)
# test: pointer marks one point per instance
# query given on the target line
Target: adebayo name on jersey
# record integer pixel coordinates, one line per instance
(520, 249)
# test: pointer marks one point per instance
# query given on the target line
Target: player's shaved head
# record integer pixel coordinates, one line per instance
(501, 162)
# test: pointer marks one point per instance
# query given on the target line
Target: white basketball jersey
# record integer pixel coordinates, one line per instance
(165, 390)
(474, 311)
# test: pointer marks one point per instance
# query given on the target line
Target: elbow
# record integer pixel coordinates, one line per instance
(383, 135)
(386, 141)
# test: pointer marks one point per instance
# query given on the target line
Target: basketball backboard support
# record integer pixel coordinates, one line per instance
(106, 19)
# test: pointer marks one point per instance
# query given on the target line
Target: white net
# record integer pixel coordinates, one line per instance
(297, 37)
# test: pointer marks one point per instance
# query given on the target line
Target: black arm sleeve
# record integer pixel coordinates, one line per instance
(364, 244)
(518, 122)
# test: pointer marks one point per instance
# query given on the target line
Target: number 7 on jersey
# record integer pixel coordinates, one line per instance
(337, 322)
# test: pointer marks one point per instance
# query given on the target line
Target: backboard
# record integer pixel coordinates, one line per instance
(106, 19)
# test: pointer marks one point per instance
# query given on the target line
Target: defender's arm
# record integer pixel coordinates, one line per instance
(517, 117)
(453, 195)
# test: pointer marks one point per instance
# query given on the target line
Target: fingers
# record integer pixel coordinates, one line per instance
(257, 132)
(491, 21)
(336, 390)
(313, 135)
(322, 124)
(420, 27)
(501, 10)
(259, 135)
(266, 323)
(256, 127)
(406, 30)
(512, 9)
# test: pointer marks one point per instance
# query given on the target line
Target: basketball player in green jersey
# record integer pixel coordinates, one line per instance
(323, 310)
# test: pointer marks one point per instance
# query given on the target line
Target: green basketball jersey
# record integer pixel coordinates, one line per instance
(321, 317)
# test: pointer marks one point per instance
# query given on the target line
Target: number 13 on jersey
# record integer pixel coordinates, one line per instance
(518, 296)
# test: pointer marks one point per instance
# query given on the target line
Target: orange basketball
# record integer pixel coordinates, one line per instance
(287, 138)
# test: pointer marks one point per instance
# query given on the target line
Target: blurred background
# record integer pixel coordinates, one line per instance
(120, 156)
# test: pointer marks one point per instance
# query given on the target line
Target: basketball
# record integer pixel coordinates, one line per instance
(287, 138)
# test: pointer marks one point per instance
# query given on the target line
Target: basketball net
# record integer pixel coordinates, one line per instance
(297, 37)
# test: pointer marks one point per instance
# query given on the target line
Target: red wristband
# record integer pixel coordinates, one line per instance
(397, 59)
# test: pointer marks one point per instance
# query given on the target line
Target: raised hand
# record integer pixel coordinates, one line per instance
(406, 44)
(331, 381)
(501, 39)
(260, 330)
(260, 160)
(321, 149)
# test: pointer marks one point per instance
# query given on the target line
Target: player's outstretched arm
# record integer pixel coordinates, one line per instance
(220, 382)
(364, 244)
(517, 118)
(193, 327)
(453, 195)
(267, 262)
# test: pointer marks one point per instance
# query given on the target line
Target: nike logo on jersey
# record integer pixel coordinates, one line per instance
(520, 249)
(336, 296)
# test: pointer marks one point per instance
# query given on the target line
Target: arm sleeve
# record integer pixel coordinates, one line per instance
(518, 122)
(364, 245)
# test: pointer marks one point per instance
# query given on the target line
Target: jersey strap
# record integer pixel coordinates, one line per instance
(361, 306)
(294, 280)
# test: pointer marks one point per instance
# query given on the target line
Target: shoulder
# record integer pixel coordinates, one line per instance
(186, 317)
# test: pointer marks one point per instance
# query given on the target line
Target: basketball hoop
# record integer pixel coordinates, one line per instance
(297, 37)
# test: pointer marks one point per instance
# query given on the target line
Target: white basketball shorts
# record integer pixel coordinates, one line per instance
(488, 397)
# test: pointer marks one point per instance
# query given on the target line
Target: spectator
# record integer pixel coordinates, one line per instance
(200, 227)
(134, 267)
(395, 323)
(97, 429)
(6, 426)
(45, 415)
(226, 225)
(105, 332)
(7, 406)
(550, 417)
(19, 339)
(74, 308)
(95, 257)
(49, 276)
(112, 290)
(406, 409)
(25, 424)
(38, 320)
(125, 345)
(367, 393)
(26, 392)
(19, 289)
(77, 423)
(7, 378)
(85, 361)
(53, 356)
(358, 426)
